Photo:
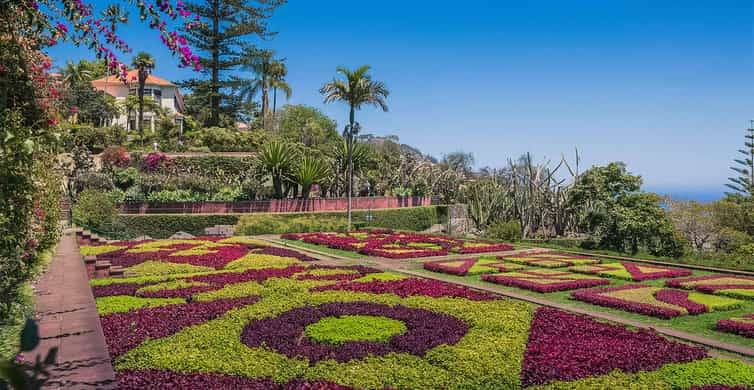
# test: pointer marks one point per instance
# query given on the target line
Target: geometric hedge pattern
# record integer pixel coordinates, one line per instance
(464, 267)
(282, 321)
(549, 259)
(730, 285)
(631, 271)
(545, 280)
(655, 301)
(742, 326)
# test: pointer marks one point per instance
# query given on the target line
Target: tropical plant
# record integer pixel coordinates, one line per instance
(75, 73)
(309, 171)
(276, 159)
(132, 103)
(484, 200)
(356, 89)
(361, 155)
(143, 63)
(279, 71)
(743, 183)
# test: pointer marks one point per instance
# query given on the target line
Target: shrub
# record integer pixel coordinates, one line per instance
(413, 218)
(94, 209)
(729, 240)
(163, 226)
(155, 161)
(165, 196)
(125, 178)
(93, 180)
(115, 157)
(117, 195)
(505, 231)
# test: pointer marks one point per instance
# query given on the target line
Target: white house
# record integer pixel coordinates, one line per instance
(162, 91)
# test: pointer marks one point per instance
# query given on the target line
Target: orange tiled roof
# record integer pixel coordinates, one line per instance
(132, 77)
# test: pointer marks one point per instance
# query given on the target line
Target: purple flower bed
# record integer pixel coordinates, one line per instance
(282, 252)
(681, 298)
(712, 286)
(408, 287)
(566, 284)
(163, 379)
(736, 326)
(125, 331)
(252, 275)
(443, 267)
(564, 346)
(425, 330)
(638, 275)
(218, 260)
(116, 289)
(595, 296)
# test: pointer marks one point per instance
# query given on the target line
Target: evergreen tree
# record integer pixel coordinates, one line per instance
(221, 42)
(743, 184)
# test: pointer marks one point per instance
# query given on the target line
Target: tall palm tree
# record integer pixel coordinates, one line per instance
(310, 170)
(144, 63)
(269, 75)
(276, 159)
(356, 89)
(279, 71)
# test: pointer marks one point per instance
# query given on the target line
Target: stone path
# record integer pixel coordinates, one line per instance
(67, 317)
(403, 266)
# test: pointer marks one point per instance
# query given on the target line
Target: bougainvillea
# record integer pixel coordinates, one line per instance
(549, 259)
(655, 301)
(545, 281)
(471, 266)
(731, 285)
(564, 346)
(742, 326)
(424, 330)
(631, 271)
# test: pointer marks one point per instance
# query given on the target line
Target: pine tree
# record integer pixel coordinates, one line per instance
(222, 40)
(743, 184)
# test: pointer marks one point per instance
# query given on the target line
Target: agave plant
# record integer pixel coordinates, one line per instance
(276, 160)
(311, 170)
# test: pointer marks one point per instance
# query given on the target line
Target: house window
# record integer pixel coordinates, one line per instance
(157, 95)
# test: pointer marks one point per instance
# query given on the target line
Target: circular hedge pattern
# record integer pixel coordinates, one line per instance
(286, 332)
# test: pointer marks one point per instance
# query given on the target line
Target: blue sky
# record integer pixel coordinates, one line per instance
(665, 86)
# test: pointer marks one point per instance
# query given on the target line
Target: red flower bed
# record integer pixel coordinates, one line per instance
(408, 287)
(531, 284)
(220, 257)
(124, 331)
(564, 346)
(185, 292)
(713, 283)
(638, 275)
(595, 296)
(742, 326)
(443, 267)
(425, 330)
(681, 298)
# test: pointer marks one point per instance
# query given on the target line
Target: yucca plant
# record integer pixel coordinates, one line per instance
(311, 170)
(277, 160)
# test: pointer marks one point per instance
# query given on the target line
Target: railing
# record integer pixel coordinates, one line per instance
(276, 205)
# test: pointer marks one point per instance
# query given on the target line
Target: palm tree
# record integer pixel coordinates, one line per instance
(131, 104)
(144, 63)
(276, 159)
(356, 90)
(75, 73)
(279, 71)
(311, 170)
(270, 73)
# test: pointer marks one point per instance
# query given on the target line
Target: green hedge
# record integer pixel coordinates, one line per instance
(410, 218)
(165, 225)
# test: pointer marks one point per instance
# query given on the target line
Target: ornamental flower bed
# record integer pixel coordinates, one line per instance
(730, 285)
(257, 324)
(545, 281)
(397, 245)
(631, 271)
(472, 266)
(655, 301)
(742, 326)
(549, 259)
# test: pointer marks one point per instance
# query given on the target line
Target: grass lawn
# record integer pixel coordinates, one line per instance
(702, 324)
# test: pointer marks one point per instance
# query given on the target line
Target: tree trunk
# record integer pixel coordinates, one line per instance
(265, 104)
(277, 185)
(215, 85)
(349, 141)
(140, 125)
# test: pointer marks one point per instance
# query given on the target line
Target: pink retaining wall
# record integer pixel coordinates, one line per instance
(274, 206)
